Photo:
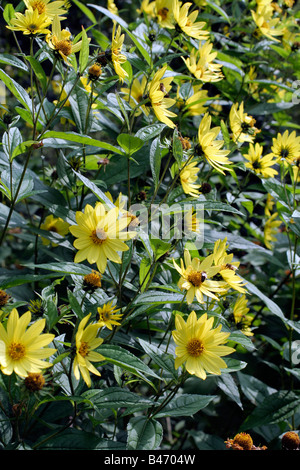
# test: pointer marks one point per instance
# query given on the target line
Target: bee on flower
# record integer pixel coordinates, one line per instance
(196, 278)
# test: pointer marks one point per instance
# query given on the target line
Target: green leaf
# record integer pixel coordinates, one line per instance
(122, 358)
(149, 132)
(129, 143)
(116, 398)
(159, 357)
(144, 273)
(156, 297)
(228, 386)
(85, 10)
(84, 52)
(13, 61)
(17, 90)
(8, 12)
(276, 408)
(155, 160)
(218, 10)
(38, 71)
(79, 139)
(11, 140)
(89, 184)
(177, 148)
(143, 433)
(185, 405)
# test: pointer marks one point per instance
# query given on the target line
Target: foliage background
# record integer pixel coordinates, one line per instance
(259, 391)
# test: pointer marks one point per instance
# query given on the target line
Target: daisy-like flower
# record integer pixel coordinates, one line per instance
(22, 349)
(31, 22)
(201, 65)
(195, 278)
(266, 24)
(117, 57)
(286, 147)
(157, 91)
(242, 125)
(241, 317)
(56, 225)
(107, 315)
(261, 165)
(194, 105)
(187, 23)
(100, 235)
(59, 40)
(199, 346)
(164, 12)
(209, 147)
(136, 94)
(227, 267)
(51, 9)
(271, 229)
(86, 342)
(188, 178)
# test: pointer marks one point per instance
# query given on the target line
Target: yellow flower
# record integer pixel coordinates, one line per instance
(56, 225)
(194, 105)
(107, 315)
(242, 320)
(164, 12)
(147, 7)
(31, 22)
(59, 40)
(209, 147)
(136, 94)
(187, 23)
(112, 7)
(191, 222)
(86, 341)
(200, 346)
(196, 277)
(51, 9)
(200, 63)
(242, 125)
(188, 178)
(269, 204)
(271, 229)
(99, 235)
(266, 25)
(286, 147)
(262, 166)
(227, 267)
(22, 349)
(158, 88)
(116, 56)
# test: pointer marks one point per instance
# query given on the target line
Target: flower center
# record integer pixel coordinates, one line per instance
(195, 347)
(197, 277)
(98, 236)
(284, 153)
(84, 349)
(64, 46)
(52, 228)
(244, 440)
(16, 351)
(163, 12)
(32, 27)
(38, 5)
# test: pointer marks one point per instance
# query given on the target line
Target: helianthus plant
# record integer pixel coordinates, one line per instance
(149, 220)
